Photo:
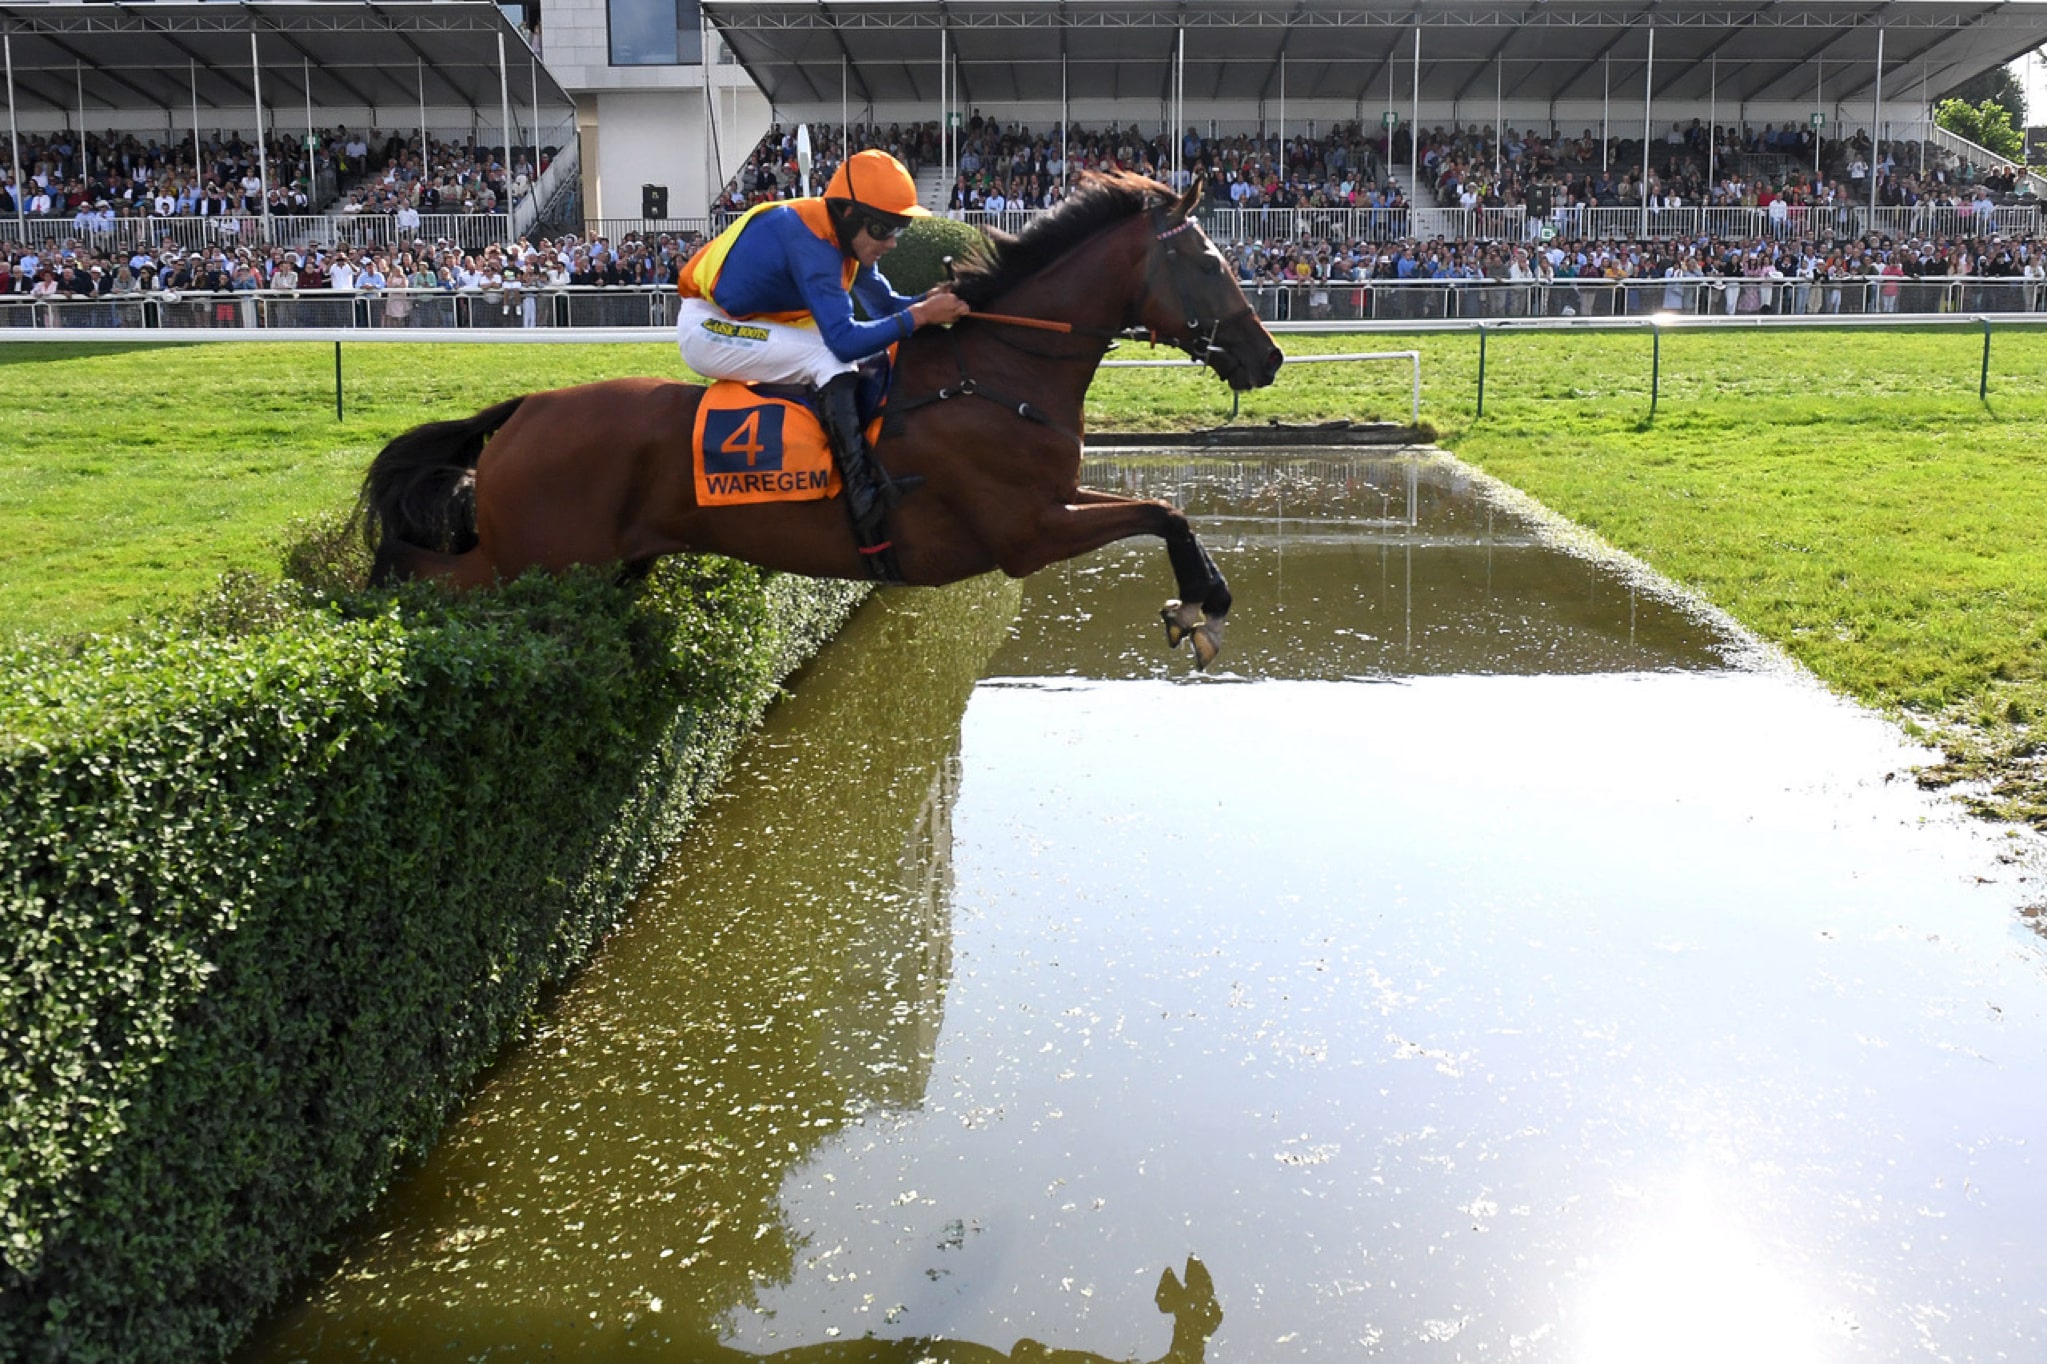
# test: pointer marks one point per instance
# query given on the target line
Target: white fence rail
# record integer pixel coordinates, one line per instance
(470, 231)
(1389, 303)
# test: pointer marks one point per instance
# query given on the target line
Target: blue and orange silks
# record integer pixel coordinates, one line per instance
(781, 262)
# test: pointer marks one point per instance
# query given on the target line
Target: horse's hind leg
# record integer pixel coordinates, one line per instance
(1198, 612)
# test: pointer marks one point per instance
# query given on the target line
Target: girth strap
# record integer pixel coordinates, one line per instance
(970, 387)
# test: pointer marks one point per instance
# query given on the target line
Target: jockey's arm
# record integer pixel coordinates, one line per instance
(779, 265)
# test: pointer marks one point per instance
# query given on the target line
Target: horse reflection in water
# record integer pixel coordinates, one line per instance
(1190, 1302)
(988, 413)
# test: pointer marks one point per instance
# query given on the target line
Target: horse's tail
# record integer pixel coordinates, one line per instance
(421, 490)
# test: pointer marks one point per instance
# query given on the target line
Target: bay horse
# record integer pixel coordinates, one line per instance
(987, 411)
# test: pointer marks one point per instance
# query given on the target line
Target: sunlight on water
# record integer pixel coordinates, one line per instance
(1694, 1284)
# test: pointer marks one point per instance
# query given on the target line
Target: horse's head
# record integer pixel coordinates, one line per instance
(1191, 299)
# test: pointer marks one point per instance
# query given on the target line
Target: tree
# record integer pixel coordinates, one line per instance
(1999, 85)
(1987, 125)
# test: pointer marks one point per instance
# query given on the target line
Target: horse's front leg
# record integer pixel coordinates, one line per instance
(1095, 519)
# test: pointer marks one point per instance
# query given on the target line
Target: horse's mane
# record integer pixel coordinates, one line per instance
(1102, 199)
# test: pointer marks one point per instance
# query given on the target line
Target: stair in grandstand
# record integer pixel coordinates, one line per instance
(1398, 175)
(931, 188)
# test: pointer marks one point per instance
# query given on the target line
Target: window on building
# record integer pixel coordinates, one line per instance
(654, 32)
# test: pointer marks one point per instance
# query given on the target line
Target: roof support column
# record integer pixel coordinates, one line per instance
(1819, 135)
(262, 152)
(198, 158)
(1712, 117)
(1605, 112)
(505, 112)
(307, 76)
(425, 156)
(1179, 100)
(1499, 111)
(1648, 90)
(84, 158)
(945, 118)
(1065, 127)
(1414, 134)
(714, 168)
(1876, 122)
(14, 140)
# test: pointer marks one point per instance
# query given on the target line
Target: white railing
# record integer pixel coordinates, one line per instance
(1378, 304)
(1613, 223)
(469, 231)
(1397, 301)
(1983, 156)
(652, 308)
(567, 162)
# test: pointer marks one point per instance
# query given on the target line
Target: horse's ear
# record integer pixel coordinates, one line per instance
(1189, 201)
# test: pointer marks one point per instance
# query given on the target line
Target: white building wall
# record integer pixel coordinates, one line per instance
(633, 138)
(649, 125)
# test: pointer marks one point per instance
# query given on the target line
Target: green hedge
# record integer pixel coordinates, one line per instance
(271, 896)
(918, 261)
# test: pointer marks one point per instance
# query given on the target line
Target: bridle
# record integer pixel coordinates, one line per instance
(1199, 342)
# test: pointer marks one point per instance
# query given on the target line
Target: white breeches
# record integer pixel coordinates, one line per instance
(760, 352)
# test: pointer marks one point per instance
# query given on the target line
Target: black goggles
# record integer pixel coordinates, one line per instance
(879, 228)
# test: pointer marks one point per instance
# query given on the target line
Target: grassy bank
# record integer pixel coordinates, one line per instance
(1843, 493)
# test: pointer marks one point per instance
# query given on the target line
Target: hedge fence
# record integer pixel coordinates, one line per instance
(281, 877)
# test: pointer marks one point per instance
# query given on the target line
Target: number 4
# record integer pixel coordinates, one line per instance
(745, 439)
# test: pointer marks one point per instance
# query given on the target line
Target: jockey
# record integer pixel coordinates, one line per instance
(770, 300)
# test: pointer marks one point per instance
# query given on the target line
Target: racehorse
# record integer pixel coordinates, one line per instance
(988, 412)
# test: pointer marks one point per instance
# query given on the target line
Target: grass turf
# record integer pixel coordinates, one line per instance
(1844, 493)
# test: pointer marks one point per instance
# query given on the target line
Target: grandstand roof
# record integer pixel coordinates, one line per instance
(1363, 50)
(150, 57)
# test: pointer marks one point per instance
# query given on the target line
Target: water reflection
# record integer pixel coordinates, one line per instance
(614, 1186)
(1352, 566)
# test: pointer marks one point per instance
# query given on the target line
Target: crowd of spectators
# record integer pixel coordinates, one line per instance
(1777, 170)
(1735, 276)
(773, 170)
(99, 180)
(400, 176)
(514, 275)
(102, 177)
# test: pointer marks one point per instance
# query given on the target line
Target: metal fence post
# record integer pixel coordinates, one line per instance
(1655, 366)
(1481, 370)
(1983, 385)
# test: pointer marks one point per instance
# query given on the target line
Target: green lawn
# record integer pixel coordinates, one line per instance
(1844, 493)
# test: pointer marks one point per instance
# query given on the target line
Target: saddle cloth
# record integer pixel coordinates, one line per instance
(760, 444)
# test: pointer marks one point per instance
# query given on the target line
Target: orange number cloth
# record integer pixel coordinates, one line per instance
(750, 447)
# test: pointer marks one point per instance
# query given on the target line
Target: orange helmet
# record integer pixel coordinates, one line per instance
(876, 181)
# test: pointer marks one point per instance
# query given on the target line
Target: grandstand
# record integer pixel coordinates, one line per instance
(1359, 160)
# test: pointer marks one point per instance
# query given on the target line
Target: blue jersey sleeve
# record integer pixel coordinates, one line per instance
(779, 265)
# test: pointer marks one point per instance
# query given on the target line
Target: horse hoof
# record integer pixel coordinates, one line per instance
(1208, 642)
(1181, 618)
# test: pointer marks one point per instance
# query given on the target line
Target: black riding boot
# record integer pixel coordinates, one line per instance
(870, 493)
